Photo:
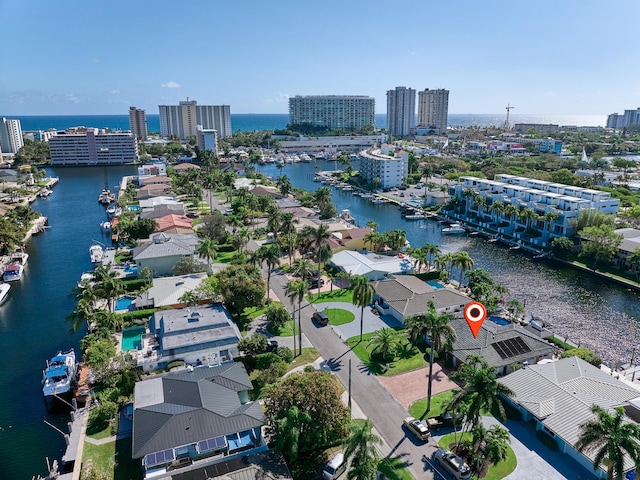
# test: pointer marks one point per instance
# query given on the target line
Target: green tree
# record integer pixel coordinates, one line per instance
(296, 291)
(277, 316)
(464, 262)
(612, 439)
(360, 448)
(363, 293)
(289, 428)
(562, 246)
(269, 254)
(253, 345)
(207, 249)
(241, 286)
(385, 343)
(599, 242)
(319, 238)
(585, 354)
(187, 265)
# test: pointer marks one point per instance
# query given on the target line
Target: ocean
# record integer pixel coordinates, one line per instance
(273, 121)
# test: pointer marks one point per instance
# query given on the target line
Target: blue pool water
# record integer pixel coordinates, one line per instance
(134, 208)
(500, 320)
(124, 303)
(131, 271)
(435, 284)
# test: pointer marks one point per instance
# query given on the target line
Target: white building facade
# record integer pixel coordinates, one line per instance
(433, 108)
(10, 136)
(386, 170)
(92, 146)
(182, 120)
(401, 111)
(207, 139)
(335, 112)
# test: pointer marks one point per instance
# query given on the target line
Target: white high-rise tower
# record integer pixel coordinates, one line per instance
(401, 111)
(433, 108)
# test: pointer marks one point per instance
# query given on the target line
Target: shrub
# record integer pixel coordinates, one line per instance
(585, 354)
(265, 360)
(100, 417)
(309, 368)
(253, 345)
(285, 354)
(271, 374)
(175, 363)
(137, 315)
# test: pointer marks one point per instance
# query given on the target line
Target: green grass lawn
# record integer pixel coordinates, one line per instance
(101, 434)
(439, 403)
(224, 257)
(338, 295)
(497, 471)
(394, 469)
(309, 355)
(338, 316)
(286, 331)
(408, 359)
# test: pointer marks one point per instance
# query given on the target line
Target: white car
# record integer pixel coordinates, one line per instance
(417, 427)
(453, 464)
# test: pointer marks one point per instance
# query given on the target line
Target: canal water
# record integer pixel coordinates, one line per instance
(580, 307)
(32, 320)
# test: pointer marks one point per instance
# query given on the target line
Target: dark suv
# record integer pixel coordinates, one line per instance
(321, 318)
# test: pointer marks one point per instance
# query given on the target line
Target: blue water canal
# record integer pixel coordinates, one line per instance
(33, 326)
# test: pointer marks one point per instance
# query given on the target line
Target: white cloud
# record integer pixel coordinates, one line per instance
(115, 91)
(279, 98)
(170, 84)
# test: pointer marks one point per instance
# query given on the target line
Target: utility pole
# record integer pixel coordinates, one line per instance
(350, 387)
(506, 123)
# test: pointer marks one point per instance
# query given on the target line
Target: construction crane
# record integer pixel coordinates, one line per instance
(506, 123)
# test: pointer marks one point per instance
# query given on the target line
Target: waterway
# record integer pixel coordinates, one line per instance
(583, 308)
(32, 320)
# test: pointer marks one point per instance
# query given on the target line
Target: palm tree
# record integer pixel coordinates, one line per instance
(320, 238)
(497, 207)
(372, 224)
(527, 214)
(610, 437)
(360, 447)
(385, 342)
(207, 249)
(269, 254)
(441, 336)
(431, 249)
(497, 441)
(289, 432)
(363, 293)
(467, 194)
(463, 261)
(302, 268)
(296, 291)
(549, 217)
(510, 210)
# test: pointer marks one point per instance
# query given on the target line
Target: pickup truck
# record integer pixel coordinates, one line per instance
(444, 420)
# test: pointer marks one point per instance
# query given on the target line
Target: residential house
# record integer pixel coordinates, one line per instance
(267, 465)
(558, 396)
(502, 346)
(174, 224)
(168, 291)
(205, 334)
(162, 209)
(154, 190)
(403, 296)
(368, 264)
(152, 202)
(186, 420)
(185, 167)
(264, 191)
(349, 239)
(630, 242)
(161, 252)
(157, 180)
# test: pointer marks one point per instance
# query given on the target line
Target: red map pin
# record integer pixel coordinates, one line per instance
(474, 314)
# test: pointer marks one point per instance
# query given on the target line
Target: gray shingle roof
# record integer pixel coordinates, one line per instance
(166, 245)
(182, 408)
(560, 394)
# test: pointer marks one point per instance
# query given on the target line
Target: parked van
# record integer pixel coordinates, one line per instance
(335, 467)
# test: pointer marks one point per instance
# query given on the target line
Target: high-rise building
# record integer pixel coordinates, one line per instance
(353, 113)
(92, 146)
(207, 139)
(401, 111)
(181, 120)
(433, 108)
(138, 123)
(10, 136)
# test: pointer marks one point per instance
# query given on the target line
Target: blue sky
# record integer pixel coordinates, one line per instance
(543, 57)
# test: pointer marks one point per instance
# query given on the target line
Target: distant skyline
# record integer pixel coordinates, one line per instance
(545, 58)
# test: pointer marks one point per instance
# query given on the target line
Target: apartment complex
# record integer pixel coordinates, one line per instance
(539, 128)
(566, 201)
(334, 112)
(384, 166)
(138, 123)
(181, 120)
(92, 146)
(207, 139)
(620, 121)
(10, 136)
(433, 109)
(401, 111)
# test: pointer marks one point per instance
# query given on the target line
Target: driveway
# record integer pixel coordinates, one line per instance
(409, 387)
(371, 322)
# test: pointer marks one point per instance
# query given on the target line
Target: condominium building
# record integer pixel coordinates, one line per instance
(566, 201)
(401, 111)
(92, 146)
(334, 112)
(620, 121)
(207, 139)
(181, 120)
(433, 108)
(10, 136)
(138, 123)
(384, 169)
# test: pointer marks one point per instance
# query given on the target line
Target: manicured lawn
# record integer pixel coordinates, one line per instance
(101, 455)
(408, 359)
(394, 469)
(101, 434)
(439, 403)
(309, 355)
(286, 331)
(338, 316)
(338, 295)
(496, 472)
(224, 257)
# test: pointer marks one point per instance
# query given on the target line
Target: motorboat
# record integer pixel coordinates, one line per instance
(453, 229)
(96, 253)
(86, 279)
(106, 197)
(105, 225)
(13, 272)
(60, 373)
(4, 292)
(414, 216)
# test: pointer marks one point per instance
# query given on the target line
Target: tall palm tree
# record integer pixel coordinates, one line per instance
(441, 336)
(467, 194)
(289, 428)
(385, 343)
(324, 253)
(464, 262)
(296, 291)
(207, 249)
(527, 214)
(432, 250)
(363, 292)
(302, 268)
(360, 447)
(270, 255)
(496, 208)
(510, 211)
(549, 217)
(319, 237)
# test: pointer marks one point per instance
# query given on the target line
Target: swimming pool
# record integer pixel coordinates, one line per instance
(131, 271)
(124, 303)
(132, 338)
(134, 208)
(435, 284)
(500, 320)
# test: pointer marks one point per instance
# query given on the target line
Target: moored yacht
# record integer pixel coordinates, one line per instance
(96, 253)
(59, 375)
(453, 229)
(4, 292)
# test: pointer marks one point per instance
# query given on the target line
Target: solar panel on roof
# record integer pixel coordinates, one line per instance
(511, 347)
(217, 443)
(159, 458)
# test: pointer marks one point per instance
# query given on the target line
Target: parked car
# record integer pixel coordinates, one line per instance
(418, 428)
(402, 187)
(193, 215)
(453, 464)
(272, 346)
(321, 318)
(334, 467)
(444, 420)
(313, 281)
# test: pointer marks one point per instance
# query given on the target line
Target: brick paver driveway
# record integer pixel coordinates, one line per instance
(408, 387)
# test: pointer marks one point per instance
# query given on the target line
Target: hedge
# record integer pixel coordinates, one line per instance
(137, 315)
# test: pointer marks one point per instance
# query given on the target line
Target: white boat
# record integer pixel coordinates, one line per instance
(453, 229)
(414, 216)
(4, 292)
(96, 253)
(59, 375)
(105, 225)
(13, 272)
(86, 279)
(106, 197)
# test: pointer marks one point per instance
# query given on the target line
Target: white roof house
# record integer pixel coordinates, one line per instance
(371, 265)
(167, 291)
(559, 396)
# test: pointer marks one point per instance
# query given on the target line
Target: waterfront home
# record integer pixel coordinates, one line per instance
(349, 239)
(163, 209)
(168, 291)
(503, 345)
(174, 224)
(557, 397)
(369, 264)
(403, 296)
(153, 202)
(185, 167)
(161, 252)
(264, 191)
(197, 335)
(630, 241)
(155, 190)
(155, 168)
(156, 180)
(194, 418)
